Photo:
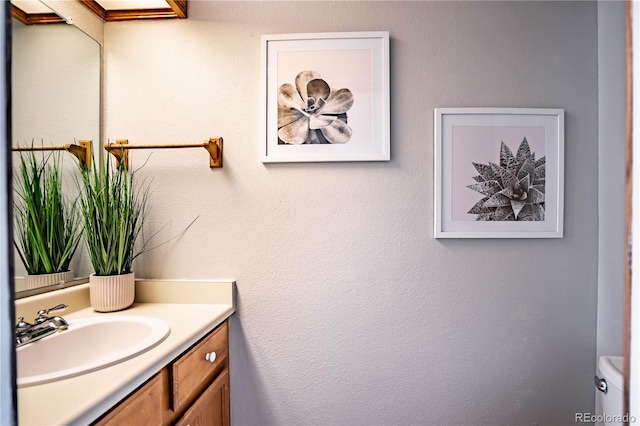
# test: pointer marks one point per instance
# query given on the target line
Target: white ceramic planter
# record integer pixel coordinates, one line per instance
(43, 280)
(112, 293)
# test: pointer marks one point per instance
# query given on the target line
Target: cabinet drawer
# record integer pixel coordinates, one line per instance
(193, 371)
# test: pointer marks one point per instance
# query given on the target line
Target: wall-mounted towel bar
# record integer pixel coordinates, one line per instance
(121, 148)
(82, 150)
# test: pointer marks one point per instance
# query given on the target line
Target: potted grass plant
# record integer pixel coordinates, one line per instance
(114, 208)
(48, 224)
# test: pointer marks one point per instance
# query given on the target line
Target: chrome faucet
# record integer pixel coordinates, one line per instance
(44, 326)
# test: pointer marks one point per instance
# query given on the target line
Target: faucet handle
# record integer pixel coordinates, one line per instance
(58, 308)
(42, 315)
(22, 324)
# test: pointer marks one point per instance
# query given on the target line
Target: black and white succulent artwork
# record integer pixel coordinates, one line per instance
(312, 112)
(513, 190)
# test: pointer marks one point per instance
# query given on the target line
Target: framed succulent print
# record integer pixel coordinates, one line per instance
(499, 172)
(326, 97)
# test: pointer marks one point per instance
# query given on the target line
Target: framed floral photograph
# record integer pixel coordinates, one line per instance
(326, 97)
(499, 172)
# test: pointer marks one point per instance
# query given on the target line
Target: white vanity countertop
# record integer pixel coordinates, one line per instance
(82, 399)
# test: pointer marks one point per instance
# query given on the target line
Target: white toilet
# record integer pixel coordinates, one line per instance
(610, 383)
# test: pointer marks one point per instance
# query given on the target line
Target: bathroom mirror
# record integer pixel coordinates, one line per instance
(56, 72)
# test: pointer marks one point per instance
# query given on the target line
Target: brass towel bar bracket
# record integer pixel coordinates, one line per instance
(121, 148)
(82, 150)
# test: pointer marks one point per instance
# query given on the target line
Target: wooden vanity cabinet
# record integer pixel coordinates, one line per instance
(192, 390)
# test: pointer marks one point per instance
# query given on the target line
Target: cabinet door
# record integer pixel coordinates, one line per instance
(212, 407)
(146, 407)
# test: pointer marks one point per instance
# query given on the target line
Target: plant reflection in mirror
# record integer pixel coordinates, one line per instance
(514, 189)
(312, 112)
(48, 225)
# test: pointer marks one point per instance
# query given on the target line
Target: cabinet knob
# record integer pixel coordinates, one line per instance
(211, 356)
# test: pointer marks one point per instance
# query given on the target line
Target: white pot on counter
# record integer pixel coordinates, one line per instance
(110, 293)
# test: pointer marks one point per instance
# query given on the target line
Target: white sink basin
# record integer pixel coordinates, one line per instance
(88, 344)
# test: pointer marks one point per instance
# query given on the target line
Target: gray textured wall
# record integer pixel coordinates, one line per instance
(349, 311)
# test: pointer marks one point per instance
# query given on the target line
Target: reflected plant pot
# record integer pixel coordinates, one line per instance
(43, 280)
(112, 293)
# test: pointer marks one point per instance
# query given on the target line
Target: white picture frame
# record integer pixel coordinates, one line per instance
(484, 190)
(348, 119)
